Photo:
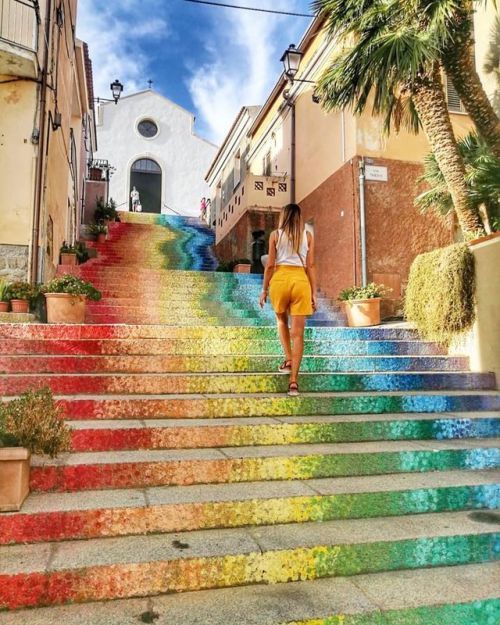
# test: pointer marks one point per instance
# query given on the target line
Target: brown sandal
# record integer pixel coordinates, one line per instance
(293, 389)
(285, 367)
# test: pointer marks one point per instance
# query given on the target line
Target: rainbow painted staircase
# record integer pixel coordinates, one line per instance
(197, 492)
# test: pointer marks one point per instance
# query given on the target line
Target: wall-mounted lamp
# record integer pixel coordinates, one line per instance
(116, 91)
(56, 120)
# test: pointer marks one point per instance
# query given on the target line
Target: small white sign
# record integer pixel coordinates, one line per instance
(373, 172)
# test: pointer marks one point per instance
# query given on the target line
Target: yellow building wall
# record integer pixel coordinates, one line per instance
(17, 160)
(484, 24)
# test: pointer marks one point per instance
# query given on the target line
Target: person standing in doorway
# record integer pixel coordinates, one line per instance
(136, 200)
(290, 278)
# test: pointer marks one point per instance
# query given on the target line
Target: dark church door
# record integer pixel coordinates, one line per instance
(146, 177)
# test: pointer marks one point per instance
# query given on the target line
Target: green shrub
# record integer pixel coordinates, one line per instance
(73, 285)
(67, 249)
(19, 290)
(82, 252)
(36, 422)
(440, 293)
(105, 210)
(96, 229)
(3, 290)
(370, 291)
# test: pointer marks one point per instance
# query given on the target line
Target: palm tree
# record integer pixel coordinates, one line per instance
(453, 23)
(482, 177)
(391, 62)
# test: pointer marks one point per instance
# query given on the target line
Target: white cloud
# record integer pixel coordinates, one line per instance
(244, 49)
(114, 32)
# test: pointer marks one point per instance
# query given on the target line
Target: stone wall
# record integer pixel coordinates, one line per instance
(396, 231)
(13, 262)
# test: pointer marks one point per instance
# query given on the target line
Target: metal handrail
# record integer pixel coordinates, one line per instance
(19, 21)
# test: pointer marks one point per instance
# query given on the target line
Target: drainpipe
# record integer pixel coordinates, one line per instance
(362, 221)
(293, 156)
(37, 209)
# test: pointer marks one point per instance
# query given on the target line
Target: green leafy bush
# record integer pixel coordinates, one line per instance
(34, 421)
(105, 210)
(19, 290)
(82, 252)
(97, 229)
(440, 293)
(3, 290)
(67, 249)
(370, 291)
(73, 286)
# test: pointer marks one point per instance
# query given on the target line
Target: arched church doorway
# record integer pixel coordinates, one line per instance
(146, 177)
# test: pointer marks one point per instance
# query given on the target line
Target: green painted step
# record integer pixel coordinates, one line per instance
(80, 571)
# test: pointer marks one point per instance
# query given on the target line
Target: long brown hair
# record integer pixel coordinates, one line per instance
(292, 224)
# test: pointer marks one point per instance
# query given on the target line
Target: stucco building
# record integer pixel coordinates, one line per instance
(47, 134)
(356, 184)
(151, 144)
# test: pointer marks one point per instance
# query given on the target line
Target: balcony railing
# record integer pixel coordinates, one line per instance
(19, 23)
(254, 192)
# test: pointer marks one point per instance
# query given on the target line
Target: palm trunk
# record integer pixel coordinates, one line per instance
(458, 61)
(431, 106)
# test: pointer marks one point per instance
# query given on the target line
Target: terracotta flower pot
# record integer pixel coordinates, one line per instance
(68, 258)
(19, 305)
(363, 312)
(14, 477)
(242, 268)
(101, 237)
(65, 308)
(4, 307)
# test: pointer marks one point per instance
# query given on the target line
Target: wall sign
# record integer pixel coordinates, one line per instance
(374, 172)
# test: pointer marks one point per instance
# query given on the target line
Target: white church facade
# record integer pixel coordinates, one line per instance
(151, 145)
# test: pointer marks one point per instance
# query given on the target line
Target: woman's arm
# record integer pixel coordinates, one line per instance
(269, 270)
(311, 268)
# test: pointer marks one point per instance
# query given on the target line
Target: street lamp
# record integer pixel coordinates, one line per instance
(116, 91)
(291, 61)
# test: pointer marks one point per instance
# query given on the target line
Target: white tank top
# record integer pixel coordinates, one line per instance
(285, 254)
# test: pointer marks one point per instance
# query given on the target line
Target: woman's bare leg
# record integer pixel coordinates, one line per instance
(297, 336)
(284, 334)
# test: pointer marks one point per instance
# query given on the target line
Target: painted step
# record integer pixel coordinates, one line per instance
(141, 469)
(220, 364)
(44, 331)
(80, 571)
(166, 319)
(189, 434)
(200, 407)
(460, 595)
(221, 383)
(209, 346)
(48, 517)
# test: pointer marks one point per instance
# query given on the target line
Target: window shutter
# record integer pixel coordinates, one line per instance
(454, 103)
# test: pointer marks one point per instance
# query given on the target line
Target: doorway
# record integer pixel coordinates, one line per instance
(146, 177)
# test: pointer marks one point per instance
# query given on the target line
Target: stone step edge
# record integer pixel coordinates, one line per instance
(138, 566)
(466, 596)
(157, 510)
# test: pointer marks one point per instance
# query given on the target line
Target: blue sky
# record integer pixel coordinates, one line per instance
(210, 60)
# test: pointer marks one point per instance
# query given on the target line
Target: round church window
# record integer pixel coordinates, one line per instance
(147, 128)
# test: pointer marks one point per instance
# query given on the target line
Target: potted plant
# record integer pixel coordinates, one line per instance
(4, 302)
(82, 252)
(66, 298)
(33, 423)
(362, 304)
(99, 231)
(243, 265)
(20, 294)
(68, 254)
(105, 211)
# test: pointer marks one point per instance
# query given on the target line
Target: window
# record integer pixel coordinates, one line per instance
(147, 128)
(146, 166)
(454, 103)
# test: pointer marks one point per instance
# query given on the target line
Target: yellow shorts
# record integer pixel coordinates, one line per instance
(290, 291)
